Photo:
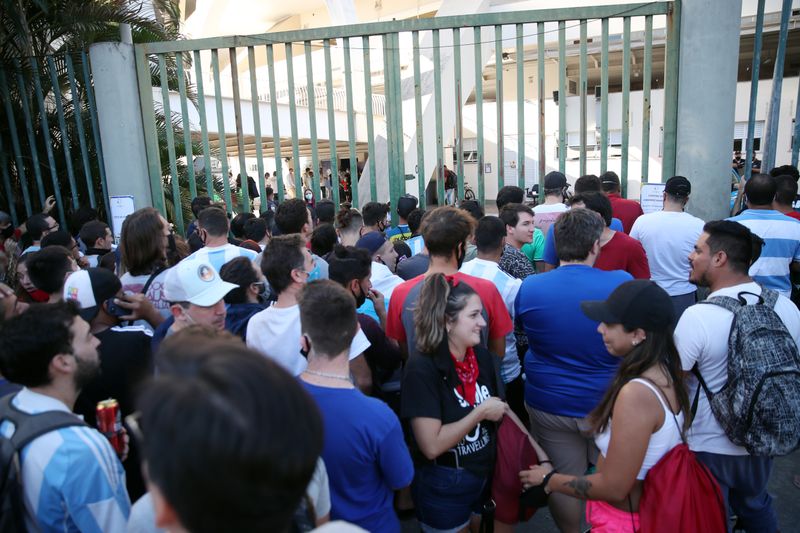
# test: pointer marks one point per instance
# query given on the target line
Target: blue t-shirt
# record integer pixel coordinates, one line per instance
(365, 455)
(567, 366)
(550, 257)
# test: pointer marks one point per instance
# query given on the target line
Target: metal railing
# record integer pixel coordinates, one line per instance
(321, 100)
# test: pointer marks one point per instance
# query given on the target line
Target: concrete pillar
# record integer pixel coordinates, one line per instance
(709, 60)
(120, 119)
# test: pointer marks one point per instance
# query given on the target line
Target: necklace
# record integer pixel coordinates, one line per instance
(327, 375)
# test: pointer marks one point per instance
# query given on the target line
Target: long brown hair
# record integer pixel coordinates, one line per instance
(658, 348)
(440, 300)
(142, 242)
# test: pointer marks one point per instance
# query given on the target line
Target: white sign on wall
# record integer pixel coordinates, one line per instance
(121, 207)
(652, 197)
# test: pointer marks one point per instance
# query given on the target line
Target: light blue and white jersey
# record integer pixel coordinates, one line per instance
(781, 236)
(219, 255)
(416, 244)
(72, 479)
(508, 287)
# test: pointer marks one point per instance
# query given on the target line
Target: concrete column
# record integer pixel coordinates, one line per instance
(120, 119)
(709, 60)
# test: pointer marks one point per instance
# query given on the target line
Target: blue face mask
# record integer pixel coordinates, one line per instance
(314, 274)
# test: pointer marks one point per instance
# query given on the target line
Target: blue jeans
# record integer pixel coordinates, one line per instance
(446, 497)
(743, 480)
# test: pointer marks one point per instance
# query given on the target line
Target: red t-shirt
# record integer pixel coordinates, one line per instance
(793, 214)
(625, 210)
(624, 253)
(400, 317)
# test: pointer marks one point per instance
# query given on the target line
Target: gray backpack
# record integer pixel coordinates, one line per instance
(759, 406)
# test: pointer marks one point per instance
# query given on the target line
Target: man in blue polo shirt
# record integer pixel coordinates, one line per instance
(781, 235)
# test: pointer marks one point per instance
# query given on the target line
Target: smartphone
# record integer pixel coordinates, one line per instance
(114, 309)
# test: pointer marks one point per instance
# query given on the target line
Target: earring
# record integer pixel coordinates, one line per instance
(634, 343)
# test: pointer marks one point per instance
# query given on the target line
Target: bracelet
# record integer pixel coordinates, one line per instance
(546, 479)
(546, 462)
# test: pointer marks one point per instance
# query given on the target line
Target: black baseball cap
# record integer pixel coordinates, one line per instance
(555, 180)
(639, 303)
(678, 186)
(406, 204)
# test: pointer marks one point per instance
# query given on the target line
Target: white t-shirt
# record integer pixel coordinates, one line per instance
(668, 237)
(275, 332)
(318, 490)
(383, 280)
(702, 337)
(545, 214)
(155, 293)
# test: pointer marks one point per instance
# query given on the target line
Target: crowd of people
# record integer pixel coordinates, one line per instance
(317, 368)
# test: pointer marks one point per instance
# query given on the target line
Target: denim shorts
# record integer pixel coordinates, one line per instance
(446, 497)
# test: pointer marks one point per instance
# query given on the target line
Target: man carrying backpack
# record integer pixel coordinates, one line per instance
(69, 478)
(746, 389)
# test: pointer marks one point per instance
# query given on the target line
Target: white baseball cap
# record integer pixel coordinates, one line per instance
(90, 288)
(196, 282)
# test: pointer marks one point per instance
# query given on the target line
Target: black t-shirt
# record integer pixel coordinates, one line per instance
(429, 391)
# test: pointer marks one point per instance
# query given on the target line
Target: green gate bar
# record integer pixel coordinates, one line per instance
(144, 79)
(244, 182)
(373, 190)
(437, 91)
(479, 112)
(187, 128)
(626, 99)
(647, 71)
(4, 166)
(796, 138)
(604, 98)
(76, 108)
(520, 109)
(276, 134)
(400, 165)
(754, 72)
(62, 125)
(26, 114)
(498, 104)
(422, 178)
(48, 143)
(540, 100)
(562, 99)
(223, 141)
(584, 89)
(671, 63)
(298, 176)
(331, 124)
(173, 164)
(390, 95)
(773, 115)
(251, 65)
(312, 120)
(351, 127)
(201, 110)
(92, 105)
(458, 151)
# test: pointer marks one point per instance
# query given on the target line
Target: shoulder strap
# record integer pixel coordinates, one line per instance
(152, 277)
(769, 296)
(29, 427)
(726, 302)
(663, 398)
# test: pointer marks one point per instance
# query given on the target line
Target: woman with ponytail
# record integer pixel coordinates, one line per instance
(642, 415)
(449, 394)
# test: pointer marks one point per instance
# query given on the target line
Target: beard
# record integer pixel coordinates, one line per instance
(86, 372)
(700, 281)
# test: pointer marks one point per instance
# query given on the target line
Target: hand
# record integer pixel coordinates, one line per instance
(742, 183)
(49, 204)
(534, 476)
(492, 409)
(141, 309)
(378, 301)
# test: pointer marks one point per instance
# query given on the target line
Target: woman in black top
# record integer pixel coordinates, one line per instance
(450, 397)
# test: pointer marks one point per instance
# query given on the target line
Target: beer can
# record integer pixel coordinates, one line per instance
(109, 423)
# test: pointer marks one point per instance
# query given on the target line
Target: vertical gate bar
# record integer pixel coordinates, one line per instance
(351, 127)
(187, 128)
(373, 186)
(87, 83)
(223, 142)
(173, 164)
(26, 114)
(312, 120)
(754, 72)
(479, 112)
(4, 166)
(626, 99)
(520, 109)
(331, 124)
(458, 151)
(540, 99)
(400, 172)
(562, 97)
(48, 143)
(276, 133)
(437, 91)
(388, 89)
(244, 182)
(671, 73)
(76, 109)
(251, 65)
(62, 126)
(498, 87)
(298, 177)
(144, 80)
(583, 90)
(796, 139)
(604, 98)
(201, 110)
(647, 72)
(422, 178)
(773, 115)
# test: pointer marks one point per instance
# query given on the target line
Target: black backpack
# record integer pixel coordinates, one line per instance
(28, 427)
(759, 405)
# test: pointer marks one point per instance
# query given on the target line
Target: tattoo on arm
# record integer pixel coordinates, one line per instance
(580, 486)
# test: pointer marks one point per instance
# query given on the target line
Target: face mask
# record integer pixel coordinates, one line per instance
(314, 274)
(171, 243)
(462, 253)
(361, 297)
(8, 232)
(308, 197)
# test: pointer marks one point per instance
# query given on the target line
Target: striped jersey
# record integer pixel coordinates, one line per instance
(781, 236)
(72, 479)
(416, 244)
(219, 255)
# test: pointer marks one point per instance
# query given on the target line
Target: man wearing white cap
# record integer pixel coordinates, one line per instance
(195, 293)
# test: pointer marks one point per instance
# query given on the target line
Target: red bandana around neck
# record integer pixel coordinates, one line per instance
(468, 372)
